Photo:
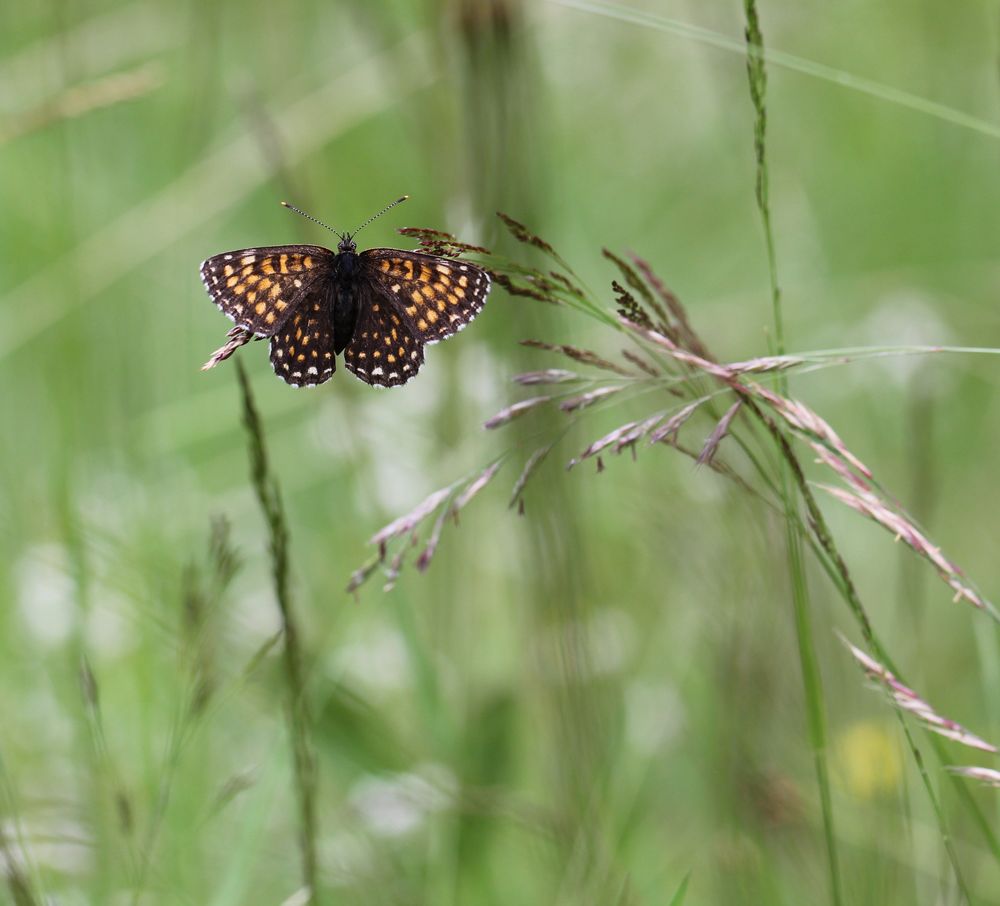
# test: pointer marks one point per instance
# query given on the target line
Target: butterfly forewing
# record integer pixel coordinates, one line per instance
(384, 350)
(439, 296)
(258, 288)
(302, 351)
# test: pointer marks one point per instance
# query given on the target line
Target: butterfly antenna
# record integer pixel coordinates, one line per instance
(388, 207)
(292, 207)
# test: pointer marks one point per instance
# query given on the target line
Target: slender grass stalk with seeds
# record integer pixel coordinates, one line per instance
(299, 722)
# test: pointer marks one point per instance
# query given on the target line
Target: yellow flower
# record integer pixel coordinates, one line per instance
(867, 760)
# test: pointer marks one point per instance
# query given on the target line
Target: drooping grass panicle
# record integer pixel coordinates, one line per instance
(509, 413)
(987, 776)
(522, 234)
(238, 336)
(440, 243)
(445, 502)
(642, 429)
(427, 554)
(583, 356)
(464, 497)
(908, 700)
(530, 287)
(669, 429)
(546, 376)
(767, 363)
(406, 523)
(603, 443)
(532, 463)
(363, 572)
(900, 526)
(673, 305)
(585, 400)
(645, 366)
(635, 282)
(716, 437)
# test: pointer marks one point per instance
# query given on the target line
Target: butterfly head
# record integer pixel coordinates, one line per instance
(347, 244)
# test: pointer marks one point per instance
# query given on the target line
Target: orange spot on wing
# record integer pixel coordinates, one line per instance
(260, 307)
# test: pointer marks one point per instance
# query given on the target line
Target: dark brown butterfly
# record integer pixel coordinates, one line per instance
(379, 307)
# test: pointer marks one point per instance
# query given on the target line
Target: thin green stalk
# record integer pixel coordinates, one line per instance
(830, 74)
(811, 679)
(822, 543)
(269, 497)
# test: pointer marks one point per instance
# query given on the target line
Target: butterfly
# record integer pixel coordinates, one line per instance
(378, 308)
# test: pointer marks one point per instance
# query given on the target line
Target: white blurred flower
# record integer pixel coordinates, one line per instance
(45, 594)
(108, 631)
(396, 805)
(905, 318)
(654, 716)
(377, 660)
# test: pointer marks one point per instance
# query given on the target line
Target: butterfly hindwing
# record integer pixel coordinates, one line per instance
(385, 350)
(302, 351)
(438, 295)
(259, 288)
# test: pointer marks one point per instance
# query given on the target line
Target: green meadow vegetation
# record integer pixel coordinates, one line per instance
(669, 580)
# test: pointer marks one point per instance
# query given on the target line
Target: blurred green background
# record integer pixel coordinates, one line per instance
(580, 706)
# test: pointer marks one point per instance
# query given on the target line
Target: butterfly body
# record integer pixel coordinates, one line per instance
(378, 308)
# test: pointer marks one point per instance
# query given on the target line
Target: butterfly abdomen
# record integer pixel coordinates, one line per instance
(343, 300)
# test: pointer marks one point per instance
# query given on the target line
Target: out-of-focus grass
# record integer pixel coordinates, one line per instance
(581, 705)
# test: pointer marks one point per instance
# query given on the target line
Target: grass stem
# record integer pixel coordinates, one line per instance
(299, 724)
